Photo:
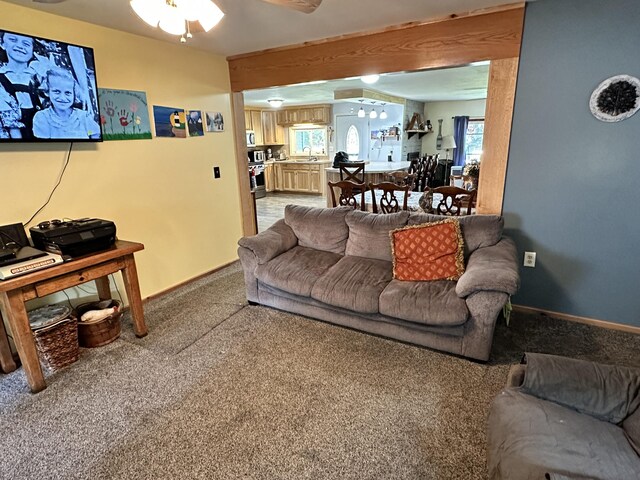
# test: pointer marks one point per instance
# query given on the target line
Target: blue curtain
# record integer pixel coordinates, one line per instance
(459, 134)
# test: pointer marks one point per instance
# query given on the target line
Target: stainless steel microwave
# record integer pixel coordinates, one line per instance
(251, 138)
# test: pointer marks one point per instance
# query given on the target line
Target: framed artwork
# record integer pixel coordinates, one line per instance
(194, 123)
(215, 122)
(124, 114)
(616, 99)
(170, 122)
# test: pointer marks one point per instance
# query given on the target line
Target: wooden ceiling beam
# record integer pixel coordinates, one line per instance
(451, 42)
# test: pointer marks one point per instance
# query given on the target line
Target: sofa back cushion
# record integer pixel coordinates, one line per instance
(477, 230)
(369, 233)
(320, 228)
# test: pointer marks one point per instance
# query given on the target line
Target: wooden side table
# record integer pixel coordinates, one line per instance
(95, 267)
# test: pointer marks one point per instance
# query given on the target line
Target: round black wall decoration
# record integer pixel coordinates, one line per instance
(616, 99)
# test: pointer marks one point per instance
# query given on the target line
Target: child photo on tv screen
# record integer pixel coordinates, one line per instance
(53, 81)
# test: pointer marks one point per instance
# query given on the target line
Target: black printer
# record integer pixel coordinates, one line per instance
(74, 237)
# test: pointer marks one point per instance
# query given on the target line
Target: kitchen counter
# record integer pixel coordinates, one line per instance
(378, 167)
(298, 162)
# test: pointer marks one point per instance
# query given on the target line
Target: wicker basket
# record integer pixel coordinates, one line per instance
(57, 344)
(102, 332)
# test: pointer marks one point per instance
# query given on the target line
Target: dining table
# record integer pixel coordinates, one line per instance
(374, 172)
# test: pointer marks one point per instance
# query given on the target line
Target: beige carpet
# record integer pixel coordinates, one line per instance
(222, 390)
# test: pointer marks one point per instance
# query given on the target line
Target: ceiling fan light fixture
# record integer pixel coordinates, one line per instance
(370, 79)
(148, 10)
(171, 21)
(210, 15)
(190, 9)
(173, 16)
(275, 102)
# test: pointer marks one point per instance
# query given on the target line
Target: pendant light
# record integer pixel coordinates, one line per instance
(373, 114)
(383, 114)
(361, 112)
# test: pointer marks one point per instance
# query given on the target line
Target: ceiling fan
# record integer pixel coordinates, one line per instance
(185, 17)
(306, 6)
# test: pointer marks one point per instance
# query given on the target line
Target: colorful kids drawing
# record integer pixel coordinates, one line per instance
(61, 119)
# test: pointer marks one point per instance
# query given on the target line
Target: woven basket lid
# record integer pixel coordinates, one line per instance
(47, 316)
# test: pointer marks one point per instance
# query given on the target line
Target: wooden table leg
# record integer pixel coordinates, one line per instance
(130, 277)
(103, 287)
(7, 364)
(23, 338)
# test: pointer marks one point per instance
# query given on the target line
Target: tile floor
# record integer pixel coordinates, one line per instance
(270, 209)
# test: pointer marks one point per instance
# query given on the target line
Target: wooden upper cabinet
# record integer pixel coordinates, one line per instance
(256, 123)
(320, 114)
(265, 125)
(273, 134)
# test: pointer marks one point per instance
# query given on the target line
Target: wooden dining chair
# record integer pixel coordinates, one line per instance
(417, 168)
(389, 202)
(351, 171)
(430, 171)
(455, 200)
(403, 178)
(351, 194)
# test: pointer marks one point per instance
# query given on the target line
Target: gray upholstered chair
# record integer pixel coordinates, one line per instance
(565, 419)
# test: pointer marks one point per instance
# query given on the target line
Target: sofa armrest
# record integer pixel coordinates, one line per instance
(606, 392)
(272, 242)
(493, 268)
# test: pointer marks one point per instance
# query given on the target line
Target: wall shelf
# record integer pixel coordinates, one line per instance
(421, 133)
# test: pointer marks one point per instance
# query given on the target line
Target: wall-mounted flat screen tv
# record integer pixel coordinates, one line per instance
(48, 90)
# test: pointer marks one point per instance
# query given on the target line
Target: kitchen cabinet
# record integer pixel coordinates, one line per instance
(264, 124)
(319, 114)
(253, 121)
(304, 177)
(272, 133)
(270, 177)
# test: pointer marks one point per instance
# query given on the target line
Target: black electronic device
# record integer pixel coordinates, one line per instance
(74, 237)
(36, 68)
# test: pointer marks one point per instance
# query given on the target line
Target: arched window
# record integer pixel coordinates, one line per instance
(353, 141)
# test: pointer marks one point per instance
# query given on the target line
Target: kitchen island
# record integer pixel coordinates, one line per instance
(301, 176)
(374, 172)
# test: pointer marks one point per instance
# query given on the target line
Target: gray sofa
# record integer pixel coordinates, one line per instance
(335, 264)
(562, 419)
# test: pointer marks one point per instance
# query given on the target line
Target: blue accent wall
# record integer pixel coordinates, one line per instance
(572, 192)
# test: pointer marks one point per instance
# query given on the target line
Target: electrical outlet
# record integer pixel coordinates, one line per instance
(529, 259)
(216, 172)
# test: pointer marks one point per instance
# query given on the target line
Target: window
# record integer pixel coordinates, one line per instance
(353, 142)
(305, 138)
(473, 140)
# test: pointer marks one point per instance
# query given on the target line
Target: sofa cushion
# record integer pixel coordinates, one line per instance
(477, 230)
(296, 270)
(354, 283)
(631, 426)
(529, 437)
(431, 251)
(427, 303)
(369, 233)
(320, 228)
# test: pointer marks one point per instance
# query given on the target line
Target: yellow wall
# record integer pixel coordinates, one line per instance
(160, 192)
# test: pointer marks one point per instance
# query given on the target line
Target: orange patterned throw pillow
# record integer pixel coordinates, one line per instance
(431, 251)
